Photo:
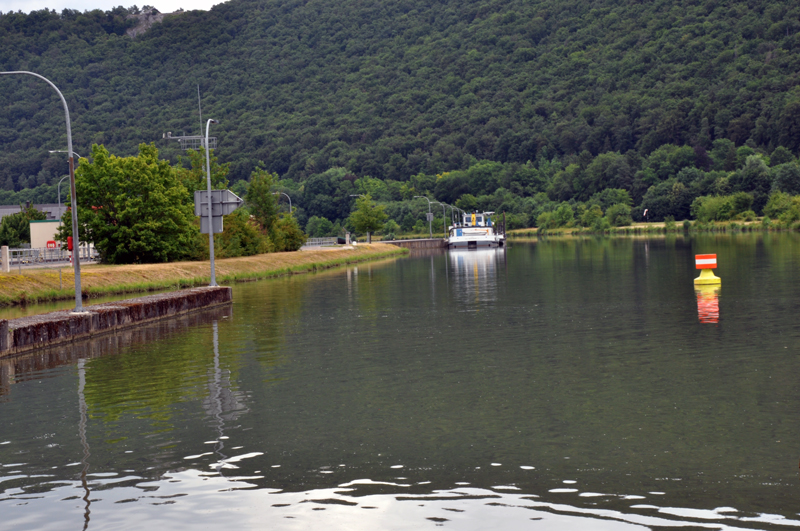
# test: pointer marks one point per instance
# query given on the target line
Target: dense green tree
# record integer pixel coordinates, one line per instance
(15, 229)
(318, 227)
(786, 178)
(619, 215)
(240, 237)
(368, 217)
(260, 199)
(134, 209)
(286, 234)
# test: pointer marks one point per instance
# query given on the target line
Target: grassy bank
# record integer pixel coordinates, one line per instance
(42, 285)
(668, 227)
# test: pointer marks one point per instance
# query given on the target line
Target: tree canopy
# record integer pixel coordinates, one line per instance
(134, 209)
(518, 105)
(367, 216)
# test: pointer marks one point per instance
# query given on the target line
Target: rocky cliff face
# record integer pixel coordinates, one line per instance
(145, 19)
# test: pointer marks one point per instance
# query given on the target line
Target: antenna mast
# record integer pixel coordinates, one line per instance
(200, 109)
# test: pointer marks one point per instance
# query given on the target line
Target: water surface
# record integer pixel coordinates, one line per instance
(556, 384)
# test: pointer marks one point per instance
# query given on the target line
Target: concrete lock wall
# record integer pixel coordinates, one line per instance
(428, 243)
(37, 331)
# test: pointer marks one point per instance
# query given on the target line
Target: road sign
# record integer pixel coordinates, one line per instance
(223, 202)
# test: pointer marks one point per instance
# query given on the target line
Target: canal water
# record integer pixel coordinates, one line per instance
(555, 384)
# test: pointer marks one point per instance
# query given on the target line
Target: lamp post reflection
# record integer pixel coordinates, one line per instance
(222, 404)
(84, 442)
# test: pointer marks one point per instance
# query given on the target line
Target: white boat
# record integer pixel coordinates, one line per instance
(475, 230)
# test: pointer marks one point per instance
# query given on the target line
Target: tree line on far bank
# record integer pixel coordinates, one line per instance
(611, 189)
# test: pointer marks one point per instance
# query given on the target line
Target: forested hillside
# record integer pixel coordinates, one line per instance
(565, 97)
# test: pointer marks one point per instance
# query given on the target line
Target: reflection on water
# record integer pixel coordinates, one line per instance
(581, 394)
(363, 504)
(475, 273)
(707, 303)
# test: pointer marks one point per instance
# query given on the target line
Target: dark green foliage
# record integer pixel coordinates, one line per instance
(286, 234)
(396, 90)
(485, 106)
(15, 229)
(619, 215)
(367, 216)
(723, 208)
(318, 227)
(134, 209)
(260, 199)
(787, 178)
(240, 237)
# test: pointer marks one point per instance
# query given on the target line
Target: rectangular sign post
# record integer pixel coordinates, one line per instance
(223, 202)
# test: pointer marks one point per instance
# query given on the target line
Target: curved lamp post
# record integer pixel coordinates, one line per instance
(76, 262)
(430, 229)
(213, 281)
(287, 197)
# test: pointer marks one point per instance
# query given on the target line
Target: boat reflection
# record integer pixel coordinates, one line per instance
(475, 273)
(707, 303)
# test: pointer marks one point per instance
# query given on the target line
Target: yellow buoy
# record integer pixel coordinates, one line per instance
(706, 262)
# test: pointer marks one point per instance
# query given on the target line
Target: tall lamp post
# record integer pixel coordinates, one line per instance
(287, 197)
(430, 217)
(73, 197)
(213, 281)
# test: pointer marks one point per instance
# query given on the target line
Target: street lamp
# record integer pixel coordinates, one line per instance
(213, 281)
(76, 262)
(287, 197)
(62, 151)
(430, 216)
(444, 219)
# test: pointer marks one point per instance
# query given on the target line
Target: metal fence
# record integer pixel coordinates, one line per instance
(19, 257)
(318, 242)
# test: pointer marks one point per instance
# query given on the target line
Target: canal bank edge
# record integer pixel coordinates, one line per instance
(43, 284)
(29, 333)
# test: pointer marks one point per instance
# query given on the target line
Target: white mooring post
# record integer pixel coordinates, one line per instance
(5, 257)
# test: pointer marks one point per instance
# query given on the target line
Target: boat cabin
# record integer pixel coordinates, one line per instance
(476, 219)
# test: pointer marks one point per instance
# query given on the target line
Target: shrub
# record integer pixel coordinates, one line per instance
(619, 215)
(390, 227)
(601, 225)
(747, 215)
(545, 220)
(564, 216)
(591, 215)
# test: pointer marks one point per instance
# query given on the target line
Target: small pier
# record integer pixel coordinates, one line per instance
(29, 333)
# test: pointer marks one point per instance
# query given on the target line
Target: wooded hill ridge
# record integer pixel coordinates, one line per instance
(398, 88)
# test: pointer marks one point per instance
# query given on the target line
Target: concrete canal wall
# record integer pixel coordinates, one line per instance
(28, 333)
(428, 243)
